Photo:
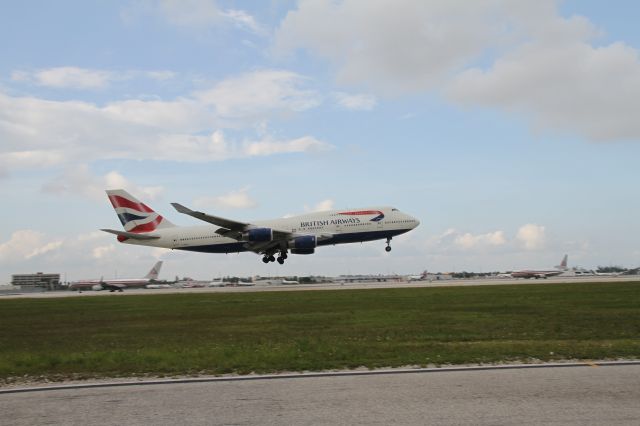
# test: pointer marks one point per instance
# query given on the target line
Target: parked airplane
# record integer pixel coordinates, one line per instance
(119, 284)
(532, 273)
(158, 286)
(421, 277)
(297, 235)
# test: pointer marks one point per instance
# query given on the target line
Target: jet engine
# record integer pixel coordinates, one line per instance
(304, 244)
(258, 235)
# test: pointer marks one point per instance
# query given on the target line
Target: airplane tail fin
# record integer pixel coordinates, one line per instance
(563, 264)
(155, 271)
(135, 216)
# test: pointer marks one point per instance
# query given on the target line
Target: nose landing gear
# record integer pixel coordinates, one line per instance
(388, 247)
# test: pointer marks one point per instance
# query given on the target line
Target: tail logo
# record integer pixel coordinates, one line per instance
(135, 216)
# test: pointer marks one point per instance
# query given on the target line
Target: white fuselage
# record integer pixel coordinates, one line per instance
(330, 227)
(98, 284)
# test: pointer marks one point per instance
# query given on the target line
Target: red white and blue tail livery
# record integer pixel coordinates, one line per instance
(135, 216)
(296, 235)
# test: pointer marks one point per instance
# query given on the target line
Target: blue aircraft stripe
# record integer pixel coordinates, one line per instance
(336, 239)
(128, 217)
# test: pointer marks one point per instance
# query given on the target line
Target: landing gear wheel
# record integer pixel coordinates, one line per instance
(272, 258)
(281, 260)
(387, 249)
(265, 259)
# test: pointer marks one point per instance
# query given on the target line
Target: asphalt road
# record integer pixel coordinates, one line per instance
(605, 395)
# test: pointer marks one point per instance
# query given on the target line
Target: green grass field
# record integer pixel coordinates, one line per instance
(175, 334)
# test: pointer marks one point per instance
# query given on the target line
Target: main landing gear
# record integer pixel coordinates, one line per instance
(388, 247)
(271, 258)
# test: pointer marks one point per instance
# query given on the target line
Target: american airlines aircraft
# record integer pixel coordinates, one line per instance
(536, 273)
(121, 283)
(295, 235)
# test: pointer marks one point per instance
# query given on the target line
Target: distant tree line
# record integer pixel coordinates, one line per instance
(611, 269)
(465, 274)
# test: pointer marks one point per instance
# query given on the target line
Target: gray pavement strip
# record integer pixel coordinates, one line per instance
(319, 374)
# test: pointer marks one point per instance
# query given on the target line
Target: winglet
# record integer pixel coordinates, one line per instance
(181, 209)
(186, 210)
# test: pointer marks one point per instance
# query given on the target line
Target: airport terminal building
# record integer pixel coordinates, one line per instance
(37, 280)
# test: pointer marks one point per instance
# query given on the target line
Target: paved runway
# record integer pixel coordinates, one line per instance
(606, 395)
(329, 286)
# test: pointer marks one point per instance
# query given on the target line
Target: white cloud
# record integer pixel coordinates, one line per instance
(531, 236)
(254, 94)
(79, 181)
(568, 87)
(216, 147)
(26, 244)
(178, 115)
(361, 102)
(37, 132)
(67, 78)
(30, 159)
(195, 15)
(422, 41)
(54, 245)
(238, 199)
(455, 240)
(539, 64)
(87, 255)
(269, 147)
(243, 20)
(101, 252)
(323, 205)
(469, 241)
(83, 78)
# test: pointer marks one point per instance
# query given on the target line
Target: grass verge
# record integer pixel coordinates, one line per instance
(81, 337)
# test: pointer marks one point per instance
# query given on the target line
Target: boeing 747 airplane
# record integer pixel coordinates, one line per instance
(295, 235)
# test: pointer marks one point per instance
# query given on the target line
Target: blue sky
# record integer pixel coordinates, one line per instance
(507, 128)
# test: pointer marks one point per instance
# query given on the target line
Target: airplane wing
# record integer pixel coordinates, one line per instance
(229, 228)
(551, 274)
(112, 286)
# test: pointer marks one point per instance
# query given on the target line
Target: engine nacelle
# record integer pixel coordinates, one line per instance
(302, 251)
(258, 235)
(304, 242)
